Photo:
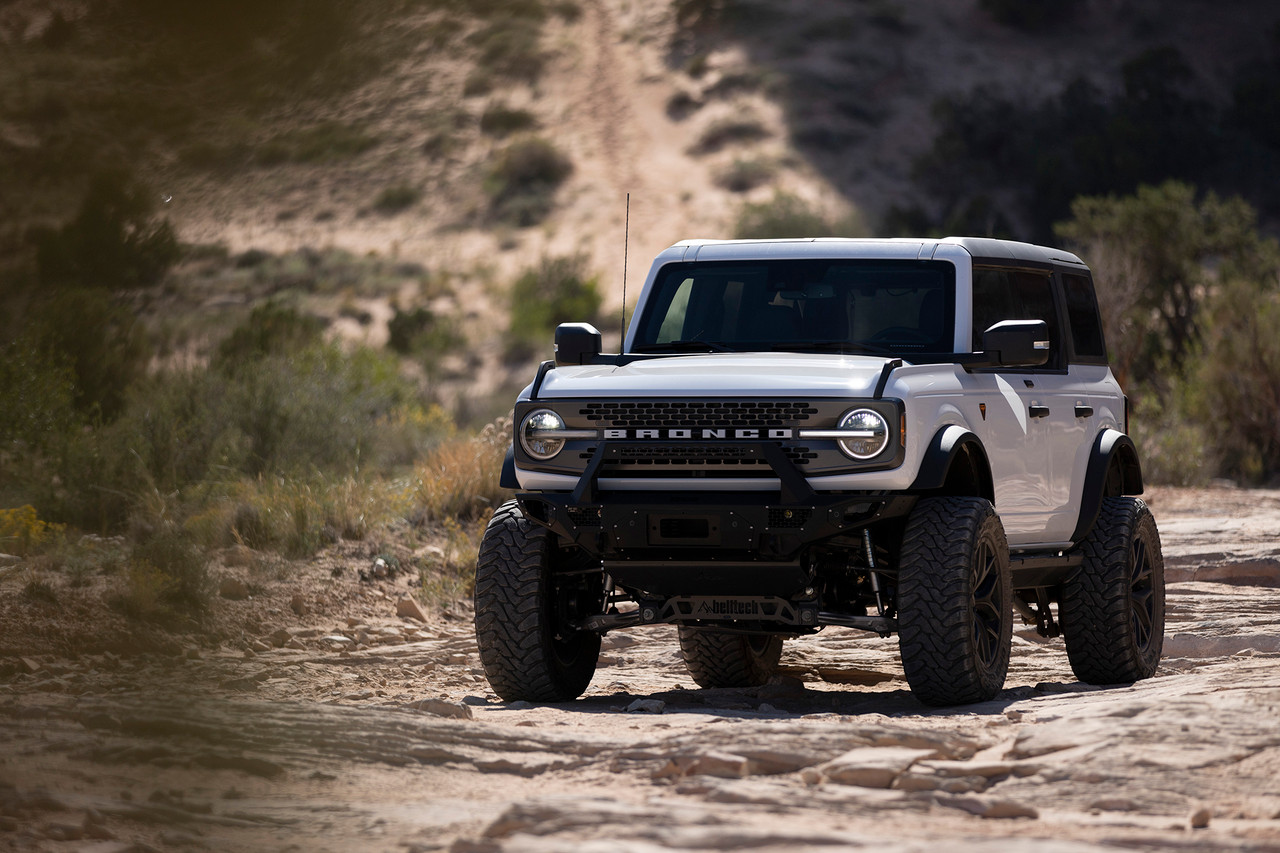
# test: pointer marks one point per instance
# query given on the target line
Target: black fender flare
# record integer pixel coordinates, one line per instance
(948, 444)
(508, 479)
(1112, 451)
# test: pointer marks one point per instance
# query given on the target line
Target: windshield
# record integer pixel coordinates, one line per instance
(881, 307)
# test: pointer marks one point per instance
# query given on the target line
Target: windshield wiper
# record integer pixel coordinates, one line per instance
(684, 346)
(835, 346)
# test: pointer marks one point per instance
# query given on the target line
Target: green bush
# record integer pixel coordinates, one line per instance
(321, 143)
(501, 120)
(97, 335)
(396, 199)
(37, 397)
(272, 328)
(420, 332)
(556, 291)
(789, 216)
(522, 183)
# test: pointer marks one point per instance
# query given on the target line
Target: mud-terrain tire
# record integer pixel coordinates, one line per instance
(725, 659)
(1112, 606)
(955, 601)
(525, 653)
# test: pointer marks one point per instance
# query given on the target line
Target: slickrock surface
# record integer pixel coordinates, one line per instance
(381, 734)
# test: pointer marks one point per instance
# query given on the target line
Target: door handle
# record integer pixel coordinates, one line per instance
(1084, 411)
(1038, 411)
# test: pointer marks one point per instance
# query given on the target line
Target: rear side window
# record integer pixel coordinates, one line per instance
(1082, 313)
(1009, 294)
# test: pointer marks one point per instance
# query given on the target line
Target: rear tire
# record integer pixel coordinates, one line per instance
(726, 659)
(526, 650)
(1112, 607)
(955, 601)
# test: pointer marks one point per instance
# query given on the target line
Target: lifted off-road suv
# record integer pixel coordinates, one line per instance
(910, 436)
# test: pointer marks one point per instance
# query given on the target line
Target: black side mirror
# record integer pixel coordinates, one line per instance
(577, 343)
(1017, 343)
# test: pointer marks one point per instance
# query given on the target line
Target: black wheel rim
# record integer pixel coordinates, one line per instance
(988, 616)
(1142, 594)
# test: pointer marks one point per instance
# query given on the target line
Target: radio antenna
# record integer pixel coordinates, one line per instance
(626, 235)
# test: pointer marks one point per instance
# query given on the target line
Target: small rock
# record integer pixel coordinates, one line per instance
(233, 589)
(29, 665)
(1200, 818)
(873, 767)
(258, 647)
(298, 605)
(519, 705)
(380, 569)
(1009, 809)
(722, 765)
(280, 637)
(441, 708)
(408, 608)
(338, 640)
(647, 706)
(296, 644)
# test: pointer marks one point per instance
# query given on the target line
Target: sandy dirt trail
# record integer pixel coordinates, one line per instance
(395, 743)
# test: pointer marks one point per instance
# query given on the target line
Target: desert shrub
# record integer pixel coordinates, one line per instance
(522, 184)
(22, 531)
(501, 120)
(420, 332)
(459, 479)
(1238, 371)
(397, 198)
(271, 329)
(556, 291)
(179, 569)
(787, 215)
(728, 131)
(743, 175)
(112, 242)
(37, 397)
(101, 341)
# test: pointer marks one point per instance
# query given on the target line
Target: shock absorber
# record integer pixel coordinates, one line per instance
(871, 570)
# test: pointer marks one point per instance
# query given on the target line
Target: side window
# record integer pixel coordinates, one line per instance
(1082, 313)
(1007, 294)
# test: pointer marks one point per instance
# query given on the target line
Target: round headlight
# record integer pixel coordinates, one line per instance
(868, 433)
(538, 434)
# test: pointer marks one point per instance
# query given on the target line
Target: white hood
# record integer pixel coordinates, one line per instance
(721, 375)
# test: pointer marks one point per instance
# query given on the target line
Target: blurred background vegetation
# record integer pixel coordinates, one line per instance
(190, 398)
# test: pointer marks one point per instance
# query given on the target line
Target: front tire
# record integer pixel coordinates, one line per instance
(1112, 607)
(726, 659)
(527, 651)
(955, 601)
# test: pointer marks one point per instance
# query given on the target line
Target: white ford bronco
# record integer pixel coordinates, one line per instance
(906, 436)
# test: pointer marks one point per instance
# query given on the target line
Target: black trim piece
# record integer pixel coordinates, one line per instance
(508, 479)
(543, 369)
(889, 366)
(947, 444)
(1032, 572)
(1109, 445)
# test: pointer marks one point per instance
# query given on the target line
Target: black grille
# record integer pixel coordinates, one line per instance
(584, 516)
(684, 454)
(696, 413)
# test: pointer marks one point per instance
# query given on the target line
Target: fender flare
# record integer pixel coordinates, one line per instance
(508, 479)
(1112, 450)
(948, 444)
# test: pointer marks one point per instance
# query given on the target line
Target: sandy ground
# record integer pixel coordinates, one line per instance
(371, 732)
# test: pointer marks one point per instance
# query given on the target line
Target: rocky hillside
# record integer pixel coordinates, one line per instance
(395, 143)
